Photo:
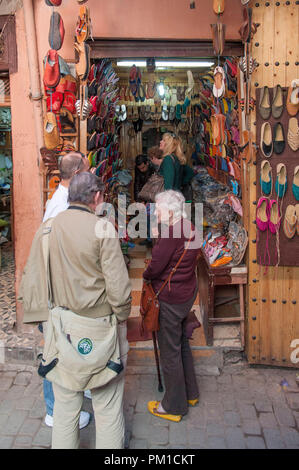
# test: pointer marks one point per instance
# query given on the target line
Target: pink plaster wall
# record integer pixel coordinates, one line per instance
(27, 197)
(150, 19)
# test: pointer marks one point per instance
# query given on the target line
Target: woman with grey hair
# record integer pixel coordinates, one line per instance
(176, 300)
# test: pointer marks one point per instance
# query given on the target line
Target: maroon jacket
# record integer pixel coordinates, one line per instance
(165, 255)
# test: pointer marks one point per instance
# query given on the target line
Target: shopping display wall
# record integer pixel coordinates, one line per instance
(273, 293)
(273, 321)
(172, 19)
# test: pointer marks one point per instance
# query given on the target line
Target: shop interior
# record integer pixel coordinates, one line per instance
(123, 108)
(142, 99)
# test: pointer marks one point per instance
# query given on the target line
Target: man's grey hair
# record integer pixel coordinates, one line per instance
(173, 201)
(83, 187)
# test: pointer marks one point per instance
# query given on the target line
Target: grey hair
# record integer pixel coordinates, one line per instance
(173, 201)
(83, 187)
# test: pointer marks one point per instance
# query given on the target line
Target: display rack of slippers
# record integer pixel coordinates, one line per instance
(277, 169)
(60, 120)
(103, 136)
(216, 157)
(215, 126)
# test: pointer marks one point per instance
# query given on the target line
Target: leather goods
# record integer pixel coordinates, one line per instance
(218, 6)
(83, 25)
(218, 35)
(278, 138)
(51, 132)
(56, 31)
(51, 69)
(49, 158)
(266, 144)
(277, 104)
(82, 54)
(293, 134)
(264, 105)
(53, 3)
(153, 186)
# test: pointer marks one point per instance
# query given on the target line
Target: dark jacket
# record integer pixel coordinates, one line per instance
(165, 255)
(141, 179)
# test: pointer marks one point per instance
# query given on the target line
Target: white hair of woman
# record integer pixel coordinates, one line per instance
(172, 202)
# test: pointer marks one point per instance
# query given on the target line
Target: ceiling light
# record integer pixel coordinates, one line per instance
(166, 63)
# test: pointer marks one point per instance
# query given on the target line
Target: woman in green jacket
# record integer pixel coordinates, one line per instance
(173, 158)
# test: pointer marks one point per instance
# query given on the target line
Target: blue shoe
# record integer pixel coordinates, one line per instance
(266, 177)
(296, 183)
(281, 180)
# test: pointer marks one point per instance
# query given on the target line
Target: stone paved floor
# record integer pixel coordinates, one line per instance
(241, 408)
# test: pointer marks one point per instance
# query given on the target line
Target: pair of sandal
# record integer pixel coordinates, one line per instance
(153, 406)
(83, 105)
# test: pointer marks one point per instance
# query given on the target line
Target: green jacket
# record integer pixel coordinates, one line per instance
(88, 272)
(170, 169)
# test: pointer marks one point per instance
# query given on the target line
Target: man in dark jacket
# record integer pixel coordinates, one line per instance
(143, 170)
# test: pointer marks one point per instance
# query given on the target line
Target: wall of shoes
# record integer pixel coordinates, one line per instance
(277, 165)
(200, 107)
(61, 122)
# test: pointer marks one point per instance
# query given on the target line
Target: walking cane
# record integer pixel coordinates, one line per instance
(160, 386)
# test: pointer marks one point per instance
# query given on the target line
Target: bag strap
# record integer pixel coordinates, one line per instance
(46, 252)
(175, 268)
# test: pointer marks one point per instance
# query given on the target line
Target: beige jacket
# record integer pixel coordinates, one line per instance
(88, 272)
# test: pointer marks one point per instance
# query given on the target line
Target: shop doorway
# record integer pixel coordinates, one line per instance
(177, 99)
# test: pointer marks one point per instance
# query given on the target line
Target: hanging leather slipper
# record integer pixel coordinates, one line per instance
(152, 407)
(290, 222)
(266, 145)
(281, 180)
(151, 87)
(219, 82)
(264, 105)
(266, 177)
(82, 53)
(51, 69)
(83, 25)
(51, 133)
(292, 105)
(67, 121)
(277, 104)
(53, 3)
(49, 158)
(293, 134)
(278, 139)
(295, 186)
(218, 6)
(54, 102)
(56, 31)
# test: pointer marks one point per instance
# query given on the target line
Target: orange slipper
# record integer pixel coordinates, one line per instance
(152, 407)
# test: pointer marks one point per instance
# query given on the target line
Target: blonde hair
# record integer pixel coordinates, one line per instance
(173, 144)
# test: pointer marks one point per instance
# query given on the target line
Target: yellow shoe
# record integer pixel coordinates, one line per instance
(152, 408)
(193, 402)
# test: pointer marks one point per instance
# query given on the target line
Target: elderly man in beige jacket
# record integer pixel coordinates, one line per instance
(90, 279)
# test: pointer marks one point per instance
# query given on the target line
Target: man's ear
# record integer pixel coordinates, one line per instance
(99, 197)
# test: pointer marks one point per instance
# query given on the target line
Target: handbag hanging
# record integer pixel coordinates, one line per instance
(153, 186)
